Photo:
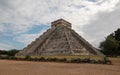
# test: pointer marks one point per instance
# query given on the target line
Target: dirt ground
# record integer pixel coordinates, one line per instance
(9, 67)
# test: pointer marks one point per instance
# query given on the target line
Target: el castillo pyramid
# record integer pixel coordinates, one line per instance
(60, 39)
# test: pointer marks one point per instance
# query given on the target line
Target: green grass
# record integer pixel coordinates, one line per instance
(69, 57)
(114, 58)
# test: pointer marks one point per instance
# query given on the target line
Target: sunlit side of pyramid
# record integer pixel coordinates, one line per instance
(60, 39)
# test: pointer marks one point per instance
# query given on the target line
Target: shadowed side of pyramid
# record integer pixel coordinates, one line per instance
(60, 39)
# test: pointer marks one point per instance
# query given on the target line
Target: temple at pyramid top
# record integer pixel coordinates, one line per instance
(60, 22)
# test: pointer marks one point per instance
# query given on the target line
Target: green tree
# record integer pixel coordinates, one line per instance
(111, 45)
(117, 35)
(12, 52)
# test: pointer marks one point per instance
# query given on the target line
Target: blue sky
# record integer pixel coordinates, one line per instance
(21, 21)
(9, 39)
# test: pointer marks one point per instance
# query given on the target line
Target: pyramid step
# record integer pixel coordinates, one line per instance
(40, 41)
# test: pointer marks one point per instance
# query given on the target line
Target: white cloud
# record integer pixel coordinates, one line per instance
(19, 16)
(27, 38)
(2, 29)
(23, 14)
(5, 46)
(98, 29)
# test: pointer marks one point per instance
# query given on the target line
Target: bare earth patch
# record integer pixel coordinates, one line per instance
(9, 67)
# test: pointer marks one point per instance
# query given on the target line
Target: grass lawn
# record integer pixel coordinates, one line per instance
(69, 57)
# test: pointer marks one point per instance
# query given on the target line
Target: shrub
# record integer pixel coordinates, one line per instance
(106, 61)
(27, 57)
(3, 56)
(93, 61)
(34, 59)
(86, 60)
(12, 58)
(51, 59)
(77, 60)
(62, 60)
(42, 59)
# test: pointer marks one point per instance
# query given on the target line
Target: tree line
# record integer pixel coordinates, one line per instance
(11, 52)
